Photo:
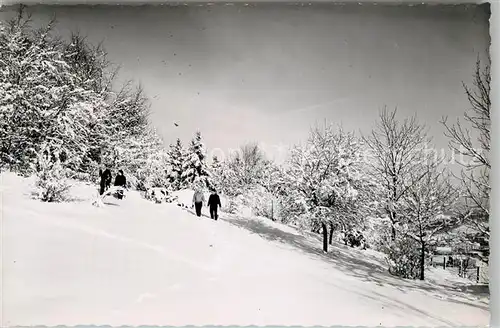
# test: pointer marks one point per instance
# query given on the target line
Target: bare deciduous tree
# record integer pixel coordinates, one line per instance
(248, 162)
(252, 161)
(475, 174)
(426, 204)
(397, 152)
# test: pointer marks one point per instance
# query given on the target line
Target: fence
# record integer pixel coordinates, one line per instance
(466, 269)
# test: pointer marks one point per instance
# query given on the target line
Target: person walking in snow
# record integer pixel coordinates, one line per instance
(198, 199)
(106, 179)
(214, 204)
(120, 181)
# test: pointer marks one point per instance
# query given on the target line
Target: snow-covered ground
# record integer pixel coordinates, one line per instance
(135, 262)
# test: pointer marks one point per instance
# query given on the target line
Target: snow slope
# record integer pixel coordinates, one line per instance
(135, 262)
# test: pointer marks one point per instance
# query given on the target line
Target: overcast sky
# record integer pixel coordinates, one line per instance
(266, 73)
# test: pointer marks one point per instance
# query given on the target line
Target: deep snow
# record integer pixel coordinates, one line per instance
(136, 262)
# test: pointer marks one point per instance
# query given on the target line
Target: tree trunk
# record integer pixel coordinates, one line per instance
(422, 261)
(325, 236)
(331, 234)
(272, 209)
(392, 217)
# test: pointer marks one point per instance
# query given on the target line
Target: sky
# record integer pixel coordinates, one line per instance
(267, 72)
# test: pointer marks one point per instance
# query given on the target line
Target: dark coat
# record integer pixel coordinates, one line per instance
(120, 181)
(105, 180)
(106, 177)
(214, 201)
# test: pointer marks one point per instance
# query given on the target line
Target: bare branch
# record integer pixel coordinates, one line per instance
(475, 173)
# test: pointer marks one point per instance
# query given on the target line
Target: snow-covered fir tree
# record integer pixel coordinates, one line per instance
(216, 172)
(175, 164)
(194, 167)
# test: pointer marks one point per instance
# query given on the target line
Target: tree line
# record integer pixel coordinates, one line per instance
(61, 115)
(336, 181)
(60, 109)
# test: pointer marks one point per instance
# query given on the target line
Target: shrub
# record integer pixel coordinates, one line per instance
(230, 207)
(51, 180)
(377, 233)
(291, 208)
(403, 258)
(355, 238)
(160, 195)
(233, 205)
(261, 202)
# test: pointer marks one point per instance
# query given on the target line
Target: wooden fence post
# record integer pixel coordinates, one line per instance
(477, 279)
(444, 263)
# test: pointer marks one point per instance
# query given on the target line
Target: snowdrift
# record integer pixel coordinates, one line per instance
(135, 262)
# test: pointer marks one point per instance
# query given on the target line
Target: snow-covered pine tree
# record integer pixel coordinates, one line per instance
(216, 172)
(216, 165)
(176, 153)
(195, 168)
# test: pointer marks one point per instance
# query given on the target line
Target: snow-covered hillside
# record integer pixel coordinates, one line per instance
(135, 262)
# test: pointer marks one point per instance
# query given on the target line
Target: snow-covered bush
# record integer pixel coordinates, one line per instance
(403, 258)
(160, 195)
(231, 206)
(82, 176)
(355, 238)
(265, 206)
(260, 201)
(377, 232)
(51, 182)
(291, 207)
